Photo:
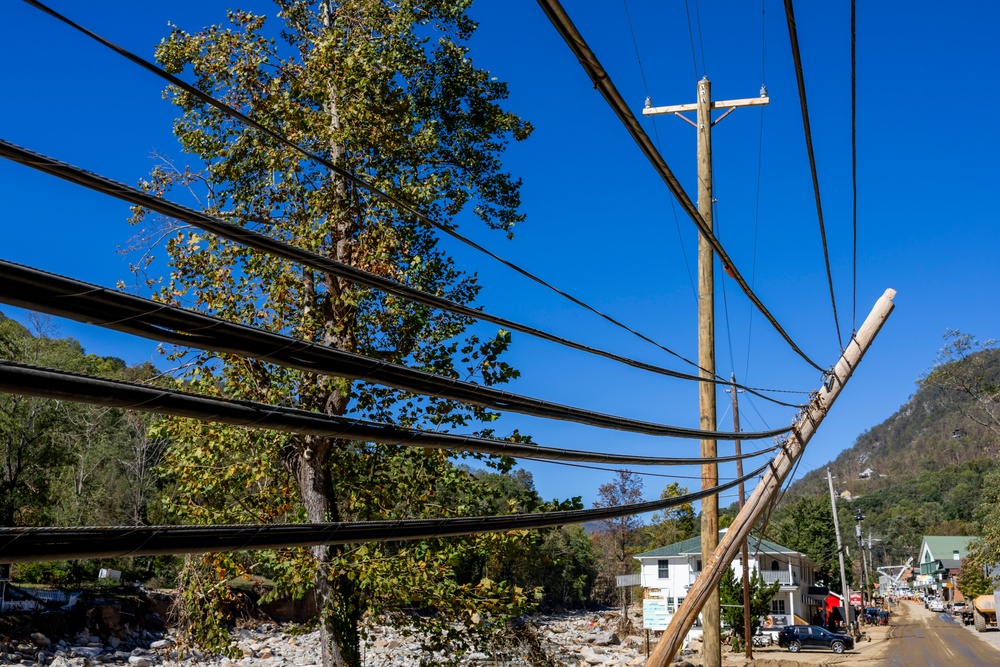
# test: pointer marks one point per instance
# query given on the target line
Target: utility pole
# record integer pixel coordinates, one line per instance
(770, 484)
(859, 517)
(845, 590)
(711, 613)
(744, 552)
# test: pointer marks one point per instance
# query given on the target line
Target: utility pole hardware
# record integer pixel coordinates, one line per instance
(770, 484)
(711, 613)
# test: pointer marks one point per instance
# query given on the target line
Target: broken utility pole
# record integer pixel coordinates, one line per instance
(770, 484)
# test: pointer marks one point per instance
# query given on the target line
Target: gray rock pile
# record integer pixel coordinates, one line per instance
(572, 640)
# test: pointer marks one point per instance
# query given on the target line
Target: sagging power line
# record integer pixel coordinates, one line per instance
(53, 384)
(65, 297)
(602, 82)
(264, 243)
(22, 545)
(346, 175)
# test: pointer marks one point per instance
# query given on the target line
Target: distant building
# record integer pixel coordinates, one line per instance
(866, 473)
(668, 572)
(940, 560)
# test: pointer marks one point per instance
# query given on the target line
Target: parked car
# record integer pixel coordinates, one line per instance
(959, 608)
(798, 637)
(935, 605)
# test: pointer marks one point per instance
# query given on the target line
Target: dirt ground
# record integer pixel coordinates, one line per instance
(865, 653)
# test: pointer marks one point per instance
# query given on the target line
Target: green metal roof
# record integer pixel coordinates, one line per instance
(692, 546)
(942, 547)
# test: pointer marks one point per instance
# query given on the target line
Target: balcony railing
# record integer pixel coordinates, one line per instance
(782, 576)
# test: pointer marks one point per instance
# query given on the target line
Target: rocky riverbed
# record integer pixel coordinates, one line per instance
(577, 639)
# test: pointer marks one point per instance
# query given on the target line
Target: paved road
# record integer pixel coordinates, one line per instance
(922, 639)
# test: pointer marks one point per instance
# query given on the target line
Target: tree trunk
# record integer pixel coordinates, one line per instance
(335, 595)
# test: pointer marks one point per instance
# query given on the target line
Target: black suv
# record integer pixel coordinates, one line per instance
(798, 637)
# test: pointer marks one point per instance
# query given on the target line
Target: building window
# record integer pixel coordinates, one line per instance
(663, 569)
(774, 566)
(778, 607)
(698, 566)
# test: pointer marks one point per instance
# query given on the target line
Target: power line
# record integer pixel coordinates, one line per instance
(255, 240)
(22, 545)
(65, 297)
(355, 180)
(854, 164)
(53, 384)
(602, 82)
(800, 78)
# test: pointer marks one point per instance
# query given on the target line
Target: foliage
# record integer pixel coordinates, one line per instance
(934, 461)
(557, 564)
(965, 369)
(731, 599)
(985, 552)
(66, 463)
(972, 580)
(807, 526)
(674, 524)
(387, 92)
(616, 540)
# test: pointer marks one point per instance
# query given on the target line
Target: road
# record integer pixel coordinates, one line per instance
(918, 638)
(914, 637)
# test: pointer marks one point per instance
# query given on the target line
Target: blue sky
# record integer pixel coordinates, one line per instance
(600, 222)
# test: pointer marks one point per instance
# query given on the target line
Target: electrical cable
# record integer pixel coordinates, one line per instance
(694, 58)
(602, 82)
(22, 545)
(355, 180)
(65, 297)
(656, 134)
(263, 243)
(760, 156)
(701, 40)
(806, 126)
(854, 164)
(59, 385)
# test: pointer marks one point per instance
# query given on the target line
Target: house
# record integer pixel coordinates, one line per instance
(866, 473)
(940, 560)
(668, 572)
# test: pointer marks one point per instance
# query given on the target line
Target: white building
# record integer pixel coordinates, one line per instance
(668, 573)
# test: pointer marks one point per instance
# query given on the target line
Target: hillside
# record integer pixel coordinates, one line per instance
(918, 472)
(930, 432)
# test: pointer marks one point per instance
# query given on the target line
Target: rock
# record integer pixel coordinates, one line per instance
(161, 643)
(606, 639)
(85, 651)
(139, 661)
(39, 639)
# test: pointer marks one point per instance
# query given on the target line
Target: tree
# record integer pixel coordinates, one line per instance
(59, 460)
(807, 526)
(972, 581)
(731, 599)
(616, 537)
(964, 371)
(674, 524)
(387, 92)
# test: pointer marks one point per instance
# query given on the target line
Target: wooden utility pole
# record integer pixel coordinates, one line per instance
(711, 616)
(770, 484)
(845, 590)
(744, 551)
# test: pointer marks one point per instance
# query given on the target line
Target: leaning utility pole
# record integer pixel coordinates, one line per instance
(844, 588)
(770, 484)
(711, 614)
(744, 552)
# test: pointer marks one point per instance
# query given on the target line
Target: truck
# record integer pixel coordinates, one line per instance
(984, 612)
